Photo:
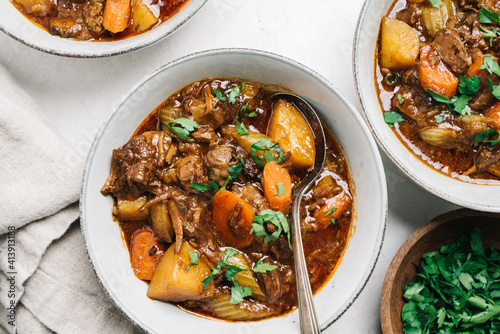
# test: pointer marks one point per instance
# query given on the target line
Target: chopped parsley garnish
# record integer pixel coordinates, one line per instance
(237, 292)
(469, 85)
(277, 218)
(435, 3)
(490, 65)
(456, 103)
(332, 220)
(241, 128)
(266, 145)
(490, 33)
(235, 170)
(456, 290)
(441, 117)
(494, 89)
(401, 99)
(487, 16)
(219, 95)
(186, 126)
(490, 133)
(438, 97)
(281, 189)
(392, 117)
(329, 212)
(252, 114)
(262, 267)
(195, 256)
(392, 79)
(232, 94)
(212, 185)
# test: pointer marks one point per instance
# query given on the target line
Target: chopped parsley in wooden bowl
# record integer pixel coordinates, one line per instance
(446, 277)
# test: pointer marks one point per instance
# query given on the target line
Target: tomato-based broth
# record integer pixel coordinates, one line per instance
(202, 193)
(100, 20)
(436, 74)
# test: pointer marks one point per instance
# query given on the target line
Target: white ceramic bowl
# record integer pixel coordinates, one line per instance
(102, 234)
(16, 25)
(474, 196)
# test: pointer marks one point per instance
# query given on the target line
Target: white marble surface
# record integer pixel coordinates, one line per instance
(78, 95)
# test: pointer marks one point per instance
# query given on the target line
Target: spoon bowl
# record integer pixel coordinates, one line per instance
(307, 313)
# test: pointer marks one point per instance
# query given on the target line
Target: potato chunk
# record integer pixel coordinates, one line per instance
(435, 18)
(161, 222)
(399, 44)
(142, 17)
(171, 281)
(129, 210)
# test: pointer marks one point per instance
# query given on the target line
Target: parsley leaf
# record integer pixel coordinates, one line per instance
(228, 253)
(468, 86)
(480, 137)
(459, 104)
(204, 187)
(392, 117)
(265, 145)
(186, 127)
(240, 128)
(401, 99)
(281, 189)
(195, 256)
(232, 94)
(262, 267)
(487, 16)
(438, 97)
(435, 3)
(235, 170)
(490, 64)
(252, 114)
(441, 117)
(219, 95)
(494, 89)
(332, 220)
(277, 218)
(490, 33)
(329, 212)
(238, 293)
(214, 272)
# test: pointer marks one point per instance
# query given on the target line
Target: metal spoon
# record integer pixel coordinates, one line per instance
(307, 314)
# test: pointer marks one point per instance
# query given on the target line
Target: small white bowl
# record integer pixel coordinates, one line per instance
(102, 235)
(474, 196)
(17, 26)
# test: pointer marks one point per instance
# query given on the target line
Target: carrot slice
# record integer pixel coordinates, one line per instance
(493, 112)
(277, 185)
(436, 76)
(474, 68)
(116, 15)
(225, 209)
(145, 249)
(334, 207)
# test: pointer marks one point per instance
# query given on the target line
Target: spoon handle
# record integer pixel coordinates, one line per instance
(308, 321)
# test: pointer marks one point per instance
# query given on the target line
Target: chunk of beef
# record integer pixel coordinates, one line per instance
(486, 157)
(68, 28)
(452, 50)
(204, 134)
(218, 160)
(92, 13)
(135, 165)
(412, 101)
(252, 195)
(190, 169)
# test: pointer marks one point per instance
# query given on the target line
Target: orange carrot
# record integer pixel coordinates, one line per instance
(334, 207)
(493, 112)
(436, 76)
(474, 69)
(277, 185)
(145, 250)
(236, 234)
(116, 15)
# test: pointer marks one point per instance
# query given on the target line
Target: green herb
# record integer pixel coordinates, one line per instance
(262, 267)
(252, 114)
(281, 189)
(441, 117)
(195, 256)
(487, 16)
(490, 65)
(490, 33)
(468, 86)
(392, 117)
(232, 94)
(454, 290)
(277, 218)
(435, 3)
(235, 170)
(494, 89)
(490, 133)
(266, 145)
(226, 183)
(329, 212)
(332, 220)
(456, 103)
(401, 99)
(244, 107)
(238, 293)
(186, 127)
(392, 79)
(204, 187)
(240, 159)
(240, 128)
(219, 95)
(438, 97)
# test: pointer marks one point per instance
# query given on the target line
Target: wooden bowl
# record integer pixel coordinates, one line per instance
(440, 231)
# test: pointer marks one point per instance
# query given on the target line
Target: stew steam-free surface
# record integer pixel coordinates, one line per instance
(202, 193)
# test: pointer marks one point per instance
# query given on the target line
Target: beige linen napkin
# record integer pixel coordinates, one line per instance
(45, 272)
